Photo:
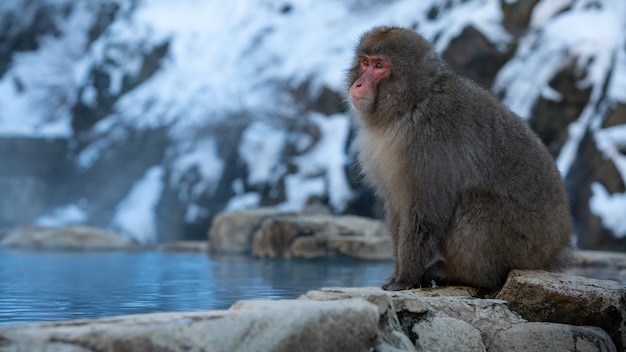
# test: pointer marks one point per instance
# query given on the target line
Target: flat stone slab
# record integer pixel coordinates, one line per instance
(69, 238)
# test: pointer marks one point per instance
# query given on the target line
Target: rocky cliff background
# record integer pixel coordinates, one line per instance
(150, 117)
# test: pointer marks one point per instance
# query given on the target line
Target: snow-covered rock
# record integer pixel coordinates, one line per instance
(163, 115)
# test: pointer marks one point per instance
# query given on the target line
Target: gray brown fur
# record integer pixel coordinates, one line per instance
(470, 191)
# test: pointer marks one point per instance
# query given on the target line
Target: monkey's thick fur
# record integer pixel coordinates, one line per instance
(470, 192)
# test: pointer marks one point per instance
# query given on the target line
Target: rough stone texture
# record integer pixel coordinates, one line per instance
(291, 325)
(540, 337)
(71, 237)
(391, 331)
(311, 236)
(461, 322)
(447, 334)
(552, 297)
(231, 232)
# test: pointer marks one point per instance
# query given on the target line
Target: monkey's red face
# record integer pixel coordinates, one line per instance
(372, 68)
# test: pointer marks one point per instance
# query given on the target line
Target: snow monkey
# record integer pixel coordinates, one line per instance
(469, 190)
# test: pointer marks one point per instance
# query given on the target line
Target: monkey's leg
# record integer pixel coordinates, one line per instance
(393, 224)
(480, 245)
(416, 247)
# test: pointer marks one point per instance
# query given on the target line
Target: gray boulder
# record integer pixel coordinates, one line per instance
(460, 322)
(541, 296)
(540, 337)
(231, 232)
(291, 325)
(272, 233)
(313, 236)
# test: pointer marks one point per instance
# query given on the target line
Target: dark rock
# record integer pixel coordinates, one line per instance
(481, 63)
(550, 118)
(590, 166)
(517, 15)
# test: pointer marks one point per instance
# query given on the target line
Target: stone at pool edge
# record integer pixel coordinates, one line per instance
(78, 237)
(231, 231)
(334, 319)
(560, 298)
(270, 232)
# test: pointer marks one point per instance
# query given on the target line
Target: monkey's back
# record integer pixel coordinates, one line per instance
(517, 191)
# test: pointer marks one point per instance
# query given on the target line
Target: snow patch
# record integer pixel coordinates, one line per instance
(300, 189)
(202, 158)
(70, 214)
(328, 157)
(611, 208)
(42, 85)
(612, 142)
(261, 148)
(135, 216)
(243, 201)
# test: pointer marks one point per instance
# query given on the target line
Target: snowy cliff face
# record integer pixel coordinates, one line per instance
(168, 113)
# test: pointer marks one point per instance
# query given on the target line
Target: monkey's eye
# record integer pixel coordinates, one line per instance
(379, 65)
(366, 62)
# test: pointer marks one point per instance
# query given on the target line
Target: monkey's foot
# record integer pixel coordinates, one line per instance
(400, 285)
(390, 280)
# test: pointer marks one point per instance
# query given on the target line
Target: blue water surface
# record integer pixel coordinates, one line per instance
(57, 285)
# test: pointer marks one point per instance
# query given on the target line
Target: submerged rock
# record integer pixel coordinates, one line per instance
(72, 237)
(357, 319)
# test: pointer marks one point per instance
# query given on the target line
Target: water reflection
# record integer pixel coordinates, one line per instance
(39, 286)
